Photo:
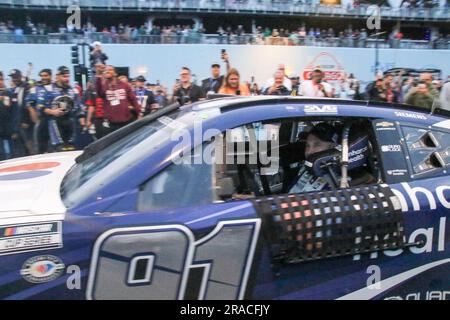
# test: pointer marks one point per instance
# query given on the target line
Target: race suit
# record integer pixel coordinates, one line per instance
(41, 135)
(61, 129)
(306, 182)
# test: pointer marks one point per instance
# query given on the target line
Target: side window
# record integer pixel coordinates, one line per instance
(429, 150)
(248, 164)
(189, 182)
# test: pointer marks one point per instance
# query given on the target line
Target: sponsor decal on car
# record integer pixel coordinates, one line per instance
(30, 237)
(27, 171)
(397, 172)
(324, 109)
(385, 126)
(410, 115)
(42, 269)
(391, 148)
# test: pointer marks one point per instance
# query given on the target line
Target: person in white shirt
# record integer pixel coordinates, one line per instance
(445, 96)
(286, 81)
(316, 87)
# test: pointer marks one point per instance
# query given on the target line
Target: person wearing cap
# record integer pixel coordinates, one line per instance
(6, 121)
(316, 87)
(320, 138)
(61, 107)
(120, 104)
(213, 83)
(145, 97)
(22, 120)
(295, 82)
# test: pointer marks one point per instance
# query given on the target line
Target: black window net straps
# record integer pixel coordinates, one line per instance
(311, 226)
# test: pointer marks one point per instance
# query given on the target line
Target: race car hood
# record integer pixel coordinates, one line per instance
(29, 186)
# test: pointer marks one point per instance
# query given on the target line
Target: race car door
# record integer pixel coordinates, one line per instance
(383, 241)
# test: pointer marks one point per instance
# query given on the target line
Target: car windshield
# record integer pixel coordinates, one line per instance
(89, 168)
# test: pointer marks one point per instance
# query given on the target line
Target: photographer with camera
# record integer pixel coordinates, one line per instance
(277, 89)
(184, 91)
(316, 87)
(420, 96)
(97, 56)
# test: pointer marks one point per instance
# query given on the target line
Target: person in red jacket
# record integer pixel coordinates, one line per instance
(120, 104)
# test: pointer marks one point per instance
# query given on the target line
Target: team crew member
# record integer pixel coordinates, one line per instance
(6, 121)
(145, 97)
(185, 92)
(321, 137)
(22, 115)
(62, 108)
(41, 136)
(316, 87)
(95, 112)
(120, 104)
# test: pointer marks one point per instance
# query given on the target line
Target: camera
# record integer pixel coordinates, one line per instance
(184, 100)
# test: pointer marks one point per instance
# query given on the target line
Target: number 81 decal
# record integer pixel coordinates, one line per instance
(166, 262)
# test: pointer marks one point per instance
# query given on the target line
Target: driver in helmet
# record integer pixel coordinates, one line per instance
(320, 138)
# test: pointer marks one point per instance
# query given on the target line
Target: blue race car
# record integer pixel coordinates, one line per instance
(200, 202)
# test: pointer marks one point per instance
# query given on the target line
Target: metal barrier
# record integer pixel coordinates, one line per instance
(200, 38)
(244, 6)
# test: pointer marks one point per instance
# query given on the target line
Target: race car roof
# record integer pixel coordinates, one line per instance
(229, 103)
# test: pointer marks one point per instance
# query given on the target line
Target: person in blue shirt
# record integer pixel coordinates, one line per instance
(145, 98)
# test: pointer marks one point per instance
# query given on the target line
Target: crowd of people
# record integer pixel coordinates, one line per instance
(151, 33)
(52, 115)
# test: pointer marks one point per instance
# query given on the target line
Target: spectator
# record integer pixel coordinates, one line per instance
(120, 104)
(286, 81)
(215, 81)
(445, 96)
(6, 122)
(295, 83)
(145, 97)
(375, 91)
(185, 92)
(233, 86)
(97, 55)
(278, 89)
(420, 96)
(95, 112)
(427, 77)
(316, 87)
